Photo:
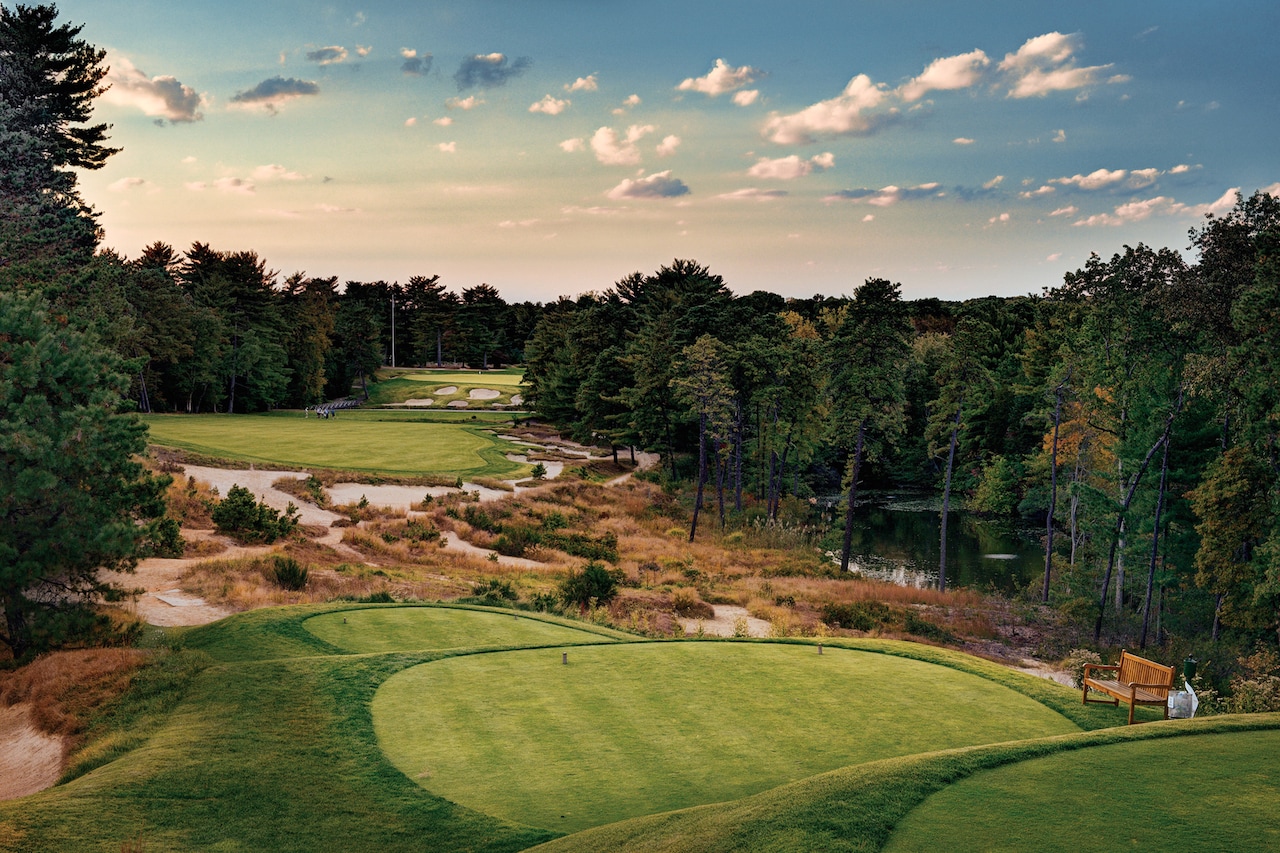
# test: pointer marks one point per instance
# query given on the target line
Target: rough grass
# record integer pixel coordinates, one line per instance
(391, 446)
(521, 736)
(64, 689)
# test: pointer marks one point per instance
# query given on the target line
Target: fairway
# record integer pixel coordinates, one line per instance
(1214, 792)
(635, 729)
(348, 442)
(406, 629)
(511, 379)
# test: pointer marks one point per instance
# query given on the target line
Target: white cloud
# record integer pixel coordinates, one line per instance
(333, 208)
(572, 145)
(657, 185)
(668, 146)
(1059, 135)
(720, 79)
(791, 167)
(189, 159)
(631, 102)
(1137, 211)
(849, 113)
(125, 185)
(1095, 180)
(1139, 178)
(448, 147)
(443, 121)
(521, 223)
(410, 121)
(583, 84)
(330, 55)
(947, 74)
(468, 103)
(234, 185)
(1036, 193)
(1004, 217)
(994, 182)
(1273, 190)
(1180, 169)
(1046, 64)
(612, 150)
(276, 172)
(1056, 256)
(273, 93)
(160, 96)
(363, 50)
(1069, 210)
(962, 140)
(890, 195)
(746, 97)
(753, 194)
(550, 106)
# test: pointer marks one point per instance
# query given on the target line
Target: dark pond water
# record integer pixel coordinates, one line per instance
(896, 538)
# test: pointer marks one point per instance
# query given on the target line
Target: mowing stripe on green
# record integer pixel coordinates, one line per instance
(407, 629)
(637, 729)
(1211, 792)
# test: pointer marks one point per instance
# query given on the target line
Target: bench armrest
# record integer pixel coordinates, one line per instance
(1091, 666)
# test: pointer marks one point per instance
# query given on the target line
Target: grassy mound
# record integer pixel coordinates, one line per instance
(399, 629)
(634, 729)
(354, 441)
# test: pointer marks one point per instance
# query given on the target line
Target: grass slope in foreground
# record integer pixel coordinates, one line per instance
(353, 442)
(642, 728)
(1198, 793)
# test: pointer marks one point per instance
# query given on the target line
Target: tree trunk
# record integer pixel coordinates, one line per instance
(439, 348)
(946, 498)
(721, 466)
(737, 480)
(702, 473)
(768, 501)
(1053, 495)
(1155, 546)
(853, 498)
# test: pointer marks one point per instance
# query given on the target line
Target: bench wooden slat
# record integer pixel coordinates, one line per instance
(1137, 681)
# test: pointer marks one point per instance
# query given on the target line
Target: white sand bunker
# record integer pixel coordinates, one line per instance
(516, 399)
(30, 760)
(484, 394)
(419, 402)
(458, 404)
(446, 390)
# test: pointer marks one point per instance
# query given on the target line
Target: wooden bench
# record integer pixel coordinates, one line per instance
(1137, 681)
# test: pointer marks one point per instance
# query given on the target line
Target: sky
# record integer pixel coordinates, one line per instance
(552, 147)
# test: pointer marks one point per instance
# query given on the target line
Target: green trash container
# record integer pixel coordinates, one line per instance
(1189, 668)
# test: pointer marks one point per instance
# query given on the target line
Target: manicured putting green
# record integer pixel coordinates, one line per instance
(405, 629)
(350, 443)
(635, 729)
(472, 379)
(1211, 792)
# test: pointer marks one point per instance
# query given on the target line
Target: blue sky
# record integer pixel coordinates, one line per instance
(552, 147)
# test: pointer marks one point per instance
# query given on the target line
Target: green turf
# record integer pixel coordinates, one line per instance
(630, 730)
(352, 441)
(1202, 793)
(495, 379)
(398, 629)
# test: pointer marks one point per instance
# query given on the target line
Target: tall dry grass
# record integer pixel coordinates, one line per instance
(64, 688)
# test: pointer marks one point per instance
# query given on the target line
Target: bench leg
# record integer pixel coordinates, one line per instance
(1131, 713)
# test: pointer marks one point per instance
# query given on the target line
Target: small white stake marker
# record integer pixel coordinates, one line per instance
(819, 648)
(564, 658)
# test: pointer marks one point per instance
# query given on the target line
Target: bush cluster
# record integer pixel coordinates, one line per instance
(239, 515)
(593, 586)
(289, 574)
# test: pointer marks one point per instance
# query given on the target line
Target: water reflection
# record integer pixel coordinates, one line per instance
(895, 539)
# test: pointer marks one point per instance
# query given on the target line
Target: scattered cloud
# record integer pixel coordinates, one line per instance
(994, 182)
(416, 64)
(870, 217)
(1059, 135)
(410, 121)
(235, 185)
(330, 55)
(890, 195)
(583, 84)
(1046, 64)
(753, 194)
(333, 208)
(613, 150)
(1045, 189)
(468, 103)
(125, 185)
(1137, 211)
(276, 172)
(1069, 210)
(443, 121)
(631, 102)
(720, 79)
(792, 167)
(1095, 180)
(996, 220)
(448, 147)
(489, 70)
(520, 223)
(550, 106)
(746, 97)
(962, 140)
(573, 145)
(657, 185)
(163, 96)
(668, 146)
(947, 74)
(851, 113)
(274, 92)
(363, 50)
(1053, 258)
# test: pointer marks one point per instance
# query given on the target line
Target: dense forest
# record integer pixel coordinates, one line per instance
(1133, 410)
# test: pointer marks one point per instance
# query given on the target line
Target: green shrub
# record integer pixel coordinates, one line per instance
(516, 541)
(418, 531)
(582, 545)
(539, 472)
(593, 586)
(858, 616)
(239, 515)
(481, 520)
(289, 574)
(1074, 663)
(165, 539)
(921, 627)
(494, 592)
(997, 489)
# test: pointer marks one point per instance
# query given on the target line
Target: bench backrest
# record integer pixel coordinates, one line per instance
(1136, 670)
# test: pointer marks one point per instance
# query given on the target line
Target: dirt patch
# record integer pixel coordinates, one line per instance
(260, 483)
(725, 623)
(30, 760)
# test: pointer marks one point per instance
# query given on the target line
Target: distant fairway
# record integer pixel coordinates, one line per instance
(634, 729)
(1198, 793)
(382, 629)
(352, 441)
(474, 378)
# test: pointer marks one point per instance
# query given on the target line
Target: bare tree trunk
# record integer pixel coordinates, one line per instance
(853, 498)
(702, 473)
(1155, 546)
(946, 498)
(737, 479)
(1053, 494)
(721, 466)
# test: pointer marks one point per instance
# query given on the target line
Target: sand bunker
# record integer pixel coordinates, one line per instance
(723, 623)
(458, 404)
(30, 760)
(516, 399)
(446, 390)
(484, 394)
(419, 402)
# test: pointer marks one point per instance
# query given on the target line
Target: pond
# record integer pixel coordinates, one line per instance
(896, 538)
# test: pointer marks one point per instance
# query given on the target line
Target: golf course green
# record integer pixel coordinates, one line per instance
(358, 441)
(634, 729)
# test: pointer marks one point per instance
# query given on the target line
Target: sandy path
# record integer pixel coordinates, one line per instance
(723, 623)
(30, 760)
(259, 482)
